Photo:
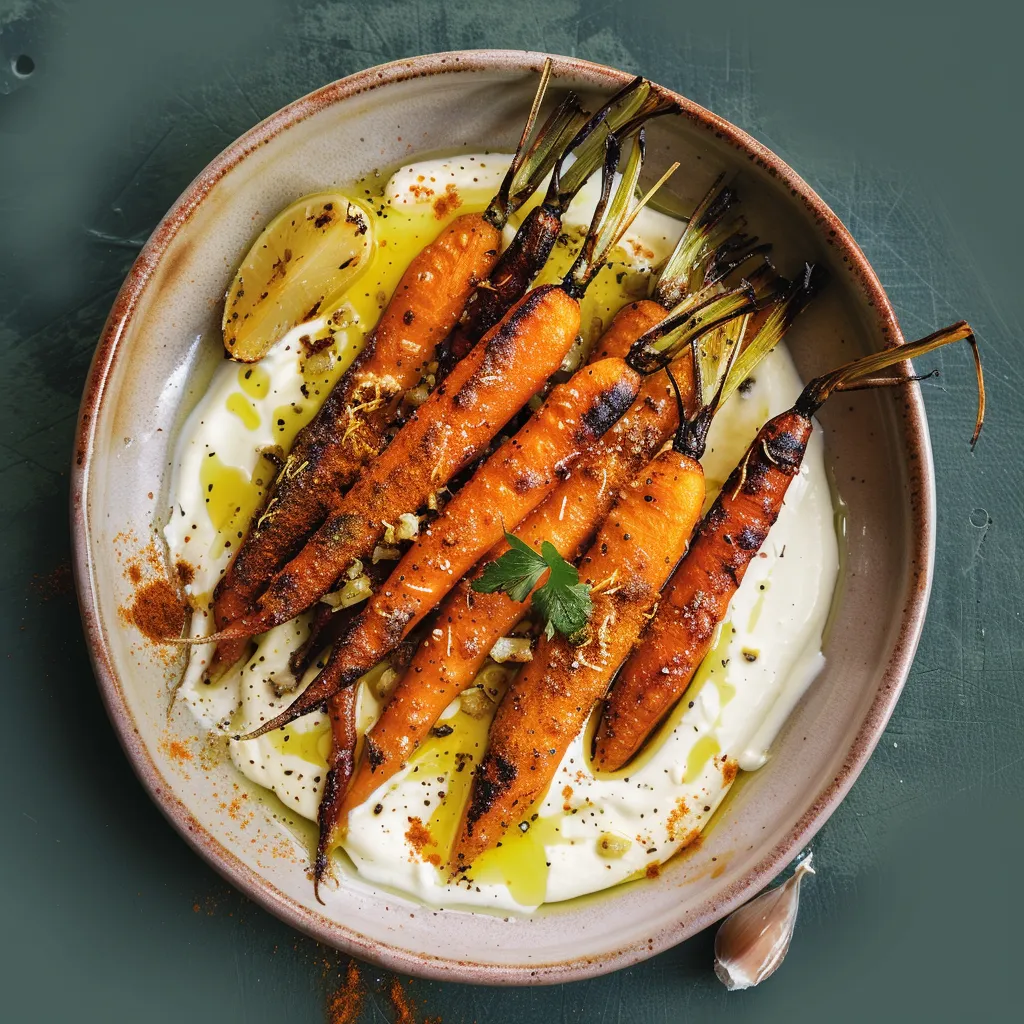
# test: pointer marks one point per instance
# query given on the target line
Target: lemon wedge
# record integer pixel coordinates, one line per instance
(306, 257)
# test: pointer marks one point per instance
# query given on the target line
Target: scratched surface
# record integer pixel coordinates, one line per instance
(905, 125)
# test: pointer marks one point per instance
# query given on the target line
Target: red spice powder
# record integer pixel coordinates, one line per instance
(186, 573)
(345, 1003)
(156, 611)
(419, 838)
(176, 751)
(447, 203)
(676, 818)
(729, 770)
(403, 1011)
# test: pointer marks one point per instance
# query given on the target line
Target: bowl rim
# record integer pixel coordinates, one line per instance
(921, 551)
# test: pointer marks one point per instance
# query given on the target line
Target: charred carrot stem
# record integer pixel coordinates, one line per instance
(624, 114)
(350, 428)
(730, 536)
(509, 485)
(551, 698)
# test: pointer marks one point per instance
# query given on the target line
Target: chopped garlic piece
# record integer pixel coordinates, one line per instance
(611, 845)
(475, 702)
(385, 683)
(356, 590)
(408, 526)
(512, 648)
(385, 554)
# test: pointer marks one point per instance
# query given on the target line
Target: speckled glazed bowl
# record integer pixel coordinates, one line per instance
(158, 351)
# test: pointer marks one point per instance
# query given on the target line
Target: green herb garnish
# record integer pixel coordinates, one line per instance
(563, 601)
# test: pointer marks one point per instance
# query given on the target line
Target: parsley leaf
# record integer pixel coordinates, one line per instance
(563, 601)
(516, 572)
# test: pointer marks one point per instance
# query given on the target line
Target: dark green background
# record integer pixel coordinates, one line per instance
(905, 118)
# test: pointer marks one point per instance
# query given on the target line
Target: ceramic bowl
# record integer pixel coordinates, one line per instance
(156, 355)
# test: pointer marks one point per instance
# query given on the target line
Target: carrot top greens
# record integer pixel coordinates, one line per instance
(563, 601)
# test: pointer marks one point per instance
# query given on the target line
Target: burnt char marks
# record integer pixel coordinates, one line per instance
(431, 439)
(518, 265)
(750, 538)
(606, 409)
(499, 348)
(527, 481)
(717, 515)
(494, 777)
(374, 755)
(394, 627)
(786, 450)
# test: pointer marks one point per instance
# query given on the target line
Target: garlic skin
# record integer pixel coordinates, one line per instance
(753, 941)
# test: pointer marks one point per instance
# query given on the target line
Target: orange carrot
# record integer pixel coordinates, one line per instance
(551, 698)
(731, 534)
(342, 714)
(350, 428)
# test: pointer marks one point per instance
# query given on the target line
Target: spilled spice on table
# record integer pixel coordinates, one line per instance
(403, 1011)
(345, 1003)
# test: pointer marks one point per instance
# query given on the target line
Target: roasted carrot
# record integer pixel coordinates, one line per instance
(698, 595)
(469, 623)
(484, 391)
(624, 114)
(350, 428)
(505, 489)
(551, 697)
(633, 555)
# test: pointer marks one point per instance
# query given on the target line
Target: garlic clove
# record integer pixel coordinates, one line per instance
(752, 941)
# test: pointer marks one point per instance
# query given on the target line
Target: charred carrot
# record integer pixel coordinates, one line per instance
(340, 762)
(632, 557)
(470, 623)
(484, 391)
(697, 598)
(551, 697)
(350, 428)
(624, 114)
